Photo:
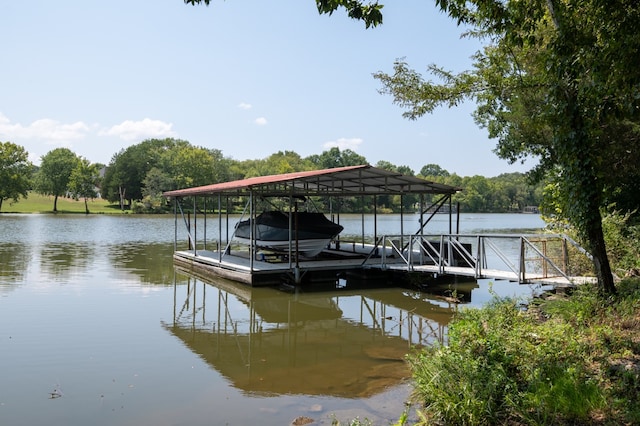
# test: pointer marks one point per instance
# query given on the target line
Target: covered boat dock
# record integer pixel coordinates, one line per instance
(250, 263)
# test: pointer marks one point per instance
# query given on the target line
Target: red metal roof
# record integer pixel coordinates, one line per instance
(339, 181)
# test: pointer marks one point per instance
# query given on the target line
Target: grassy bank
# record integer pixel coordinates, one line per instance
(564, 360)
(36, 203)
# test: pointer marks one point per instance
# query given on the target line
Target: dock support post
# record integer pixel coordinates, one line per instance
(521, 274)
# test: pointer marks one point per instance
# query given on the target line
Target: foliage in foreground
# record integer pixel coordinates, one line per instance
(568, 360)
(622, 237)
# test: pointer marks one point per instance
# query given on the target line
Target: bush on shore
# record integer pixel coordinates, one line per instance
(561, 360)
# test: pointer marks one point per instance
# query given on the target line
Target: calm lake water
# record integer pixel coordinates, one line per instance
(97, 327)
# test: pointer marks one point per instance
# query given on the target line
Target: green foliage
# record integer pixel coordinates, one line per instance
(509, 192)
(554, 82)
(15, 172)
(278, 163)
(563, 360)
(623, 242)
(334, 157)
(129, 167)
(54, 174)
(433, 170)
(83, 182)
(370, 13)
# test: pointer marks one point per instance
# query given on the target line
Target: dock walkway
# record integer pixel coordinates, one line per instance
(543, 259)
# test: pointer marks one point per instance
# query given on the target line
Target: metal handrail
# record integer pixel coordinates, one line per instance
(428, 253)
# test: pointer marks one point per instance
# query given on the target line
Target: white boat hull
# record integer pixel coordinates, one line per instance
(308, 247)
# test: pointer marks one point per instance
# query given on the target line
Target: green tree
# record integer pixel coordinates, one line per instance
(433, 170)
(54, 174)
(335, 158)
(277, 163)
(15, 172)
(189, 165)
(128, 168)
(83, 182)
(557, 81)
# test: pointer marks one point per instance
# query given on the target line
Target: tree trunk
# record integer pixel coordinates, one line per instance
(121, 192)
(600, 258)
(86, 206)
(55, 203)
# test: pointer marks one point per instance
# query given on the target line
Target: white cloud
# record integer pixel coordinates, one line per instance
(344, 143)
(137, 130)
(243, 105)
(261, 121)
(44, 128)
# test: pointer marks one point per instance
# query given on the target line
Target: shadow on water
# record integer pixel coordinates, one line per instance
(342, 343)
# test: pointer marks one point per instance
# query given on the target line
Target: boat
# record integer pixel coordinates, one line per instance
(314, 232)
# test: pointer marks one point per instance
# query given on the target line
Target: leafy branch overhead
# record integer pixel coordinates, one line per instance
(369, 13)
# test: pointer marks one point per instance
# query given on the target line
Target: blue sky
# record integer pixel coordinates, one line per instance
(248, 77)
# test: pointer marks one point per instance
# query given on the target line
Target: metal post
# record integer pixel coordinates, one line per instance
(479, 242)
(401, 222)
(521, 274)
(290, 245)
(362, 218)
(441, 256)
(375, 218)
(175, 224)
(219, 227)
(252, 233)
(195, 227)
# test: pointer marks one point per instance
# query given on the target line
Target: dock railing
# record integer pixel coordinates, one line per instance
(523, 258)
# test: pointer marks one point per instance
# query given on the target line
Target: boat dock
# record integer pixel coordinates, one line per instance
(417, 257)
(544, 259)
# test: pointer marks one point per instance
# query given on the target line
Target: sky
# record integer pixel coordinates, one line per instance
(247, 77)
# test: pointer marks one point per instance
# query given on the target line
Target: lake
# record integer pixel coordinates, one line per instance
(98, 327)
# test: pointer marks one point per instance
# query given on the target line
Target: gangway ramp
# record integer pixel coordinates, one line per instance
(524, 258)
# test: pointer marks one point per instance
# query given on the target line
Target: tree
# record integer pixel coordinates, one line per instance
(335, 158)
(193, 166)
(128, 168)
(433, 170)
(555, 82)
(84, 180)
(15, 172)
(55, 173)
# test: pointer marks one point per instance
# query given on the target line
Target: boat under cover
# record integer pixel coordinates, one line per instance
(313, 231)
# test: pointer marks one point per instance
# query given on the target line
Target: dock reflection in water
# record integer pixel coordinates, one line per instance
(341, 343)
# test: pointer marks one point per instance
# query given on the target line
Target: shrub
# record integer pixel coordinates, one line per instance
(504, 366)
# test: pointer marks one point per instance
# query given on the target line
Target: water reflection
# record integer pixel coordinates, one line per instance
(150, 262)
(14, 260)
(63, 260)
(338, 343)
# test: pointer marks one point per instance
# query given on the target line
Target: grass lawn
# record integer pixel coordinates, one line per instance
(36, 203)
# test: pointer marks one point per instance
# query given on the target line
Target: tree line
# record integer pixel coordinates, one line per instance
(136, 177)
